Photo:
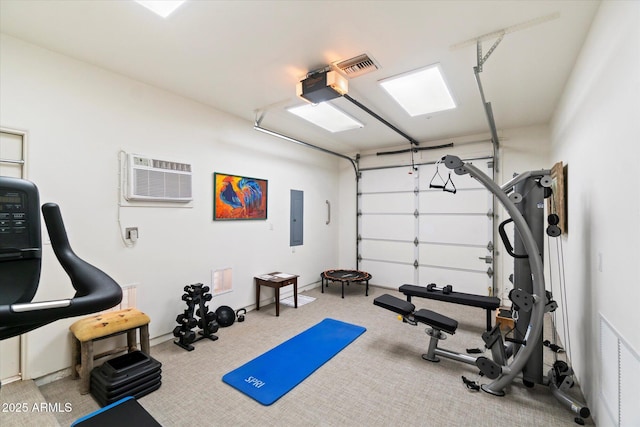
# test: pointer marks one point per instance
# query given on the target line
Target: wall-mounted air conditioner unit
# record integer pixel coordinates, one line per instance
(157, 180)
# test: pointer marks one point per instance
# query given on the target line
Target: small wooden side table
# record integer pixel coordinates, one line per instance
(276, 281)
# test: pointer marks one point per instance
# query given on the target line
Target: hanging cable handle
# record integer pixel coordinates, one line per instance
(443, 187)
(444, 184)
(449, 190)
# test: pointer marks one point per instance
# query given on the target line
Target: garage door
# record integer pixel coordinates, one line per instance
(412, 234)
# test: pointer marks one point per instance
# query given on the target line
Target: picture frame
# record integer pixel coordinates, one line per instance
(557, 203)
(237, 197)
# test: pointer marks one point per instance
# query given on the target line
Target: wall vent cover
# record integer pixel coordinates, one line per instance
(157, 180)
(357, 66)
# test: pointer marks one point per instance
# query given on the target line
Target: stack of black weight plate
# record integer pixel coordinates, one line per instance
(133, 374)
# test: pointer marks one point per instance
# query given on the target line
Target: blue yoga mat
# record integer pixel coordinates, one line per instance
(271, 375)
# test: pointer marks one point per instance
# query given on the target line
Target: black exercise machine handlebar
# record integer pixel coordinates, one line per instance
(505, 240)
(95, 290)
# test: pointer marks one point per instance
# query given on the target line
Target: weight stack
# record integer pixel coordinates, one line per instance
(133, 374)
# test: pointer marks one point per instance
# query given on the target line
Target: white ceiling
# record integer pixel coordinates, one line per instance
(243, 56)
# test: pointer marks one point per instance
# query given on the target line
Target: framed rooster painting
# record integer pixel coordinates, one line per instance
(239, 197)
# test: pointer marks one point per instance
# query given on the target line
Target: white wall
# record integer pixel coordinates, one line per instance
(79, 117)
(595, 132)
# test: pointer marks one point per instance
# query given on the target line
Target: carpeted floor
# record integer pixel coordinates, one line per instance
(23, 406)
(378, 380)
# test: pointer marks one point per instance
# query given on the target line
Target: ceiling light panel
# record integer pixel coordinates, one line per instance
(163, 8)
(326, 116)
(420, 92)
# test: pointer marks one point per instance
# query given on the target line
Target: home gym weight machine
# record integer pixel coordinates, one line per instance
(523, 199)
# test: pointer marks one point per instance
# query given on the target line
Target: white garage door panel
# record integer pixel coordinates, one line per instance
(461, 281)
(388, 203)
(459, 229)
(435, 201)
(394, 227)
(453, 229)
(386, 180)
(388, 251)
(464, 257)
(388, 274)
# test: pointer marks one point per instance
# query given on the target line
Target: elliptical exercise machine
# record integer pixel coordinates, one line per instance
(522, 198)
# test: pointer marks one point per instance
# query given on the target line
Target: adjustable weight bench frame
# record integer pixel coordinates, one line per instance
(439, 324)
(488, 303)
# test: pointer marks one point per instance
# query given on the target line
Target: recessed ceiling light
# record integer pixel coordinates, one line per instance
(420, 92)
(163, 8)
(326, 116)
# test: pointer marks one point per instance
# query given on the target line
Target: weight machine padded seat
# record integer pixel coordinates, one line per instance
(394, 304)
(436, 320)
(425, 316)
(480, 301)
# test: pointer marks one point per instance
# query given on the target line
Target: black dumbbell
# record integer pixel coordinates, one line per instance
(186, 320)
(191, 298)
(186, 337)
(199, 312)
(431, 287)
(212, 327)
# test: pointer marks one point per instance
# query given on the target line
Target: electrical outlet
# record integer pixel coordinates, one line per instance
(131, 233)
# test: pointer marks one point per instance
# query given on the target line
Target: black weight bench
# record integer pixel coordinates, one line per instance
(480, 301)
(406, 309)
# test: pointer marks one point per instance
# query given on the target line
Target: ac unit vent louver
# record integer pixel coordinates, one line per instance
(357, 66)
(158, 180)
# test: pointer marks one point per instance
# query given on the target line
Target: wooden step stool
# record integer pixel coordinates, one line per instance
(86, 331)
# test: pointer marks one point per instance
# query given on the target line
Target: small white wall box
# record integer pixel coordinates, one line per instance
(157, 180)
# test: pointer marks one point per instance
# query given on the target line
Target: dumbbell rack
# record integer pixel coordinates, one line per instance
(195, 295)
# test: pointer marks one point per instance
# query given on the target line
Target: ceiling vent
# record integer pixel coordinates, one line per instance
(355, 67)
